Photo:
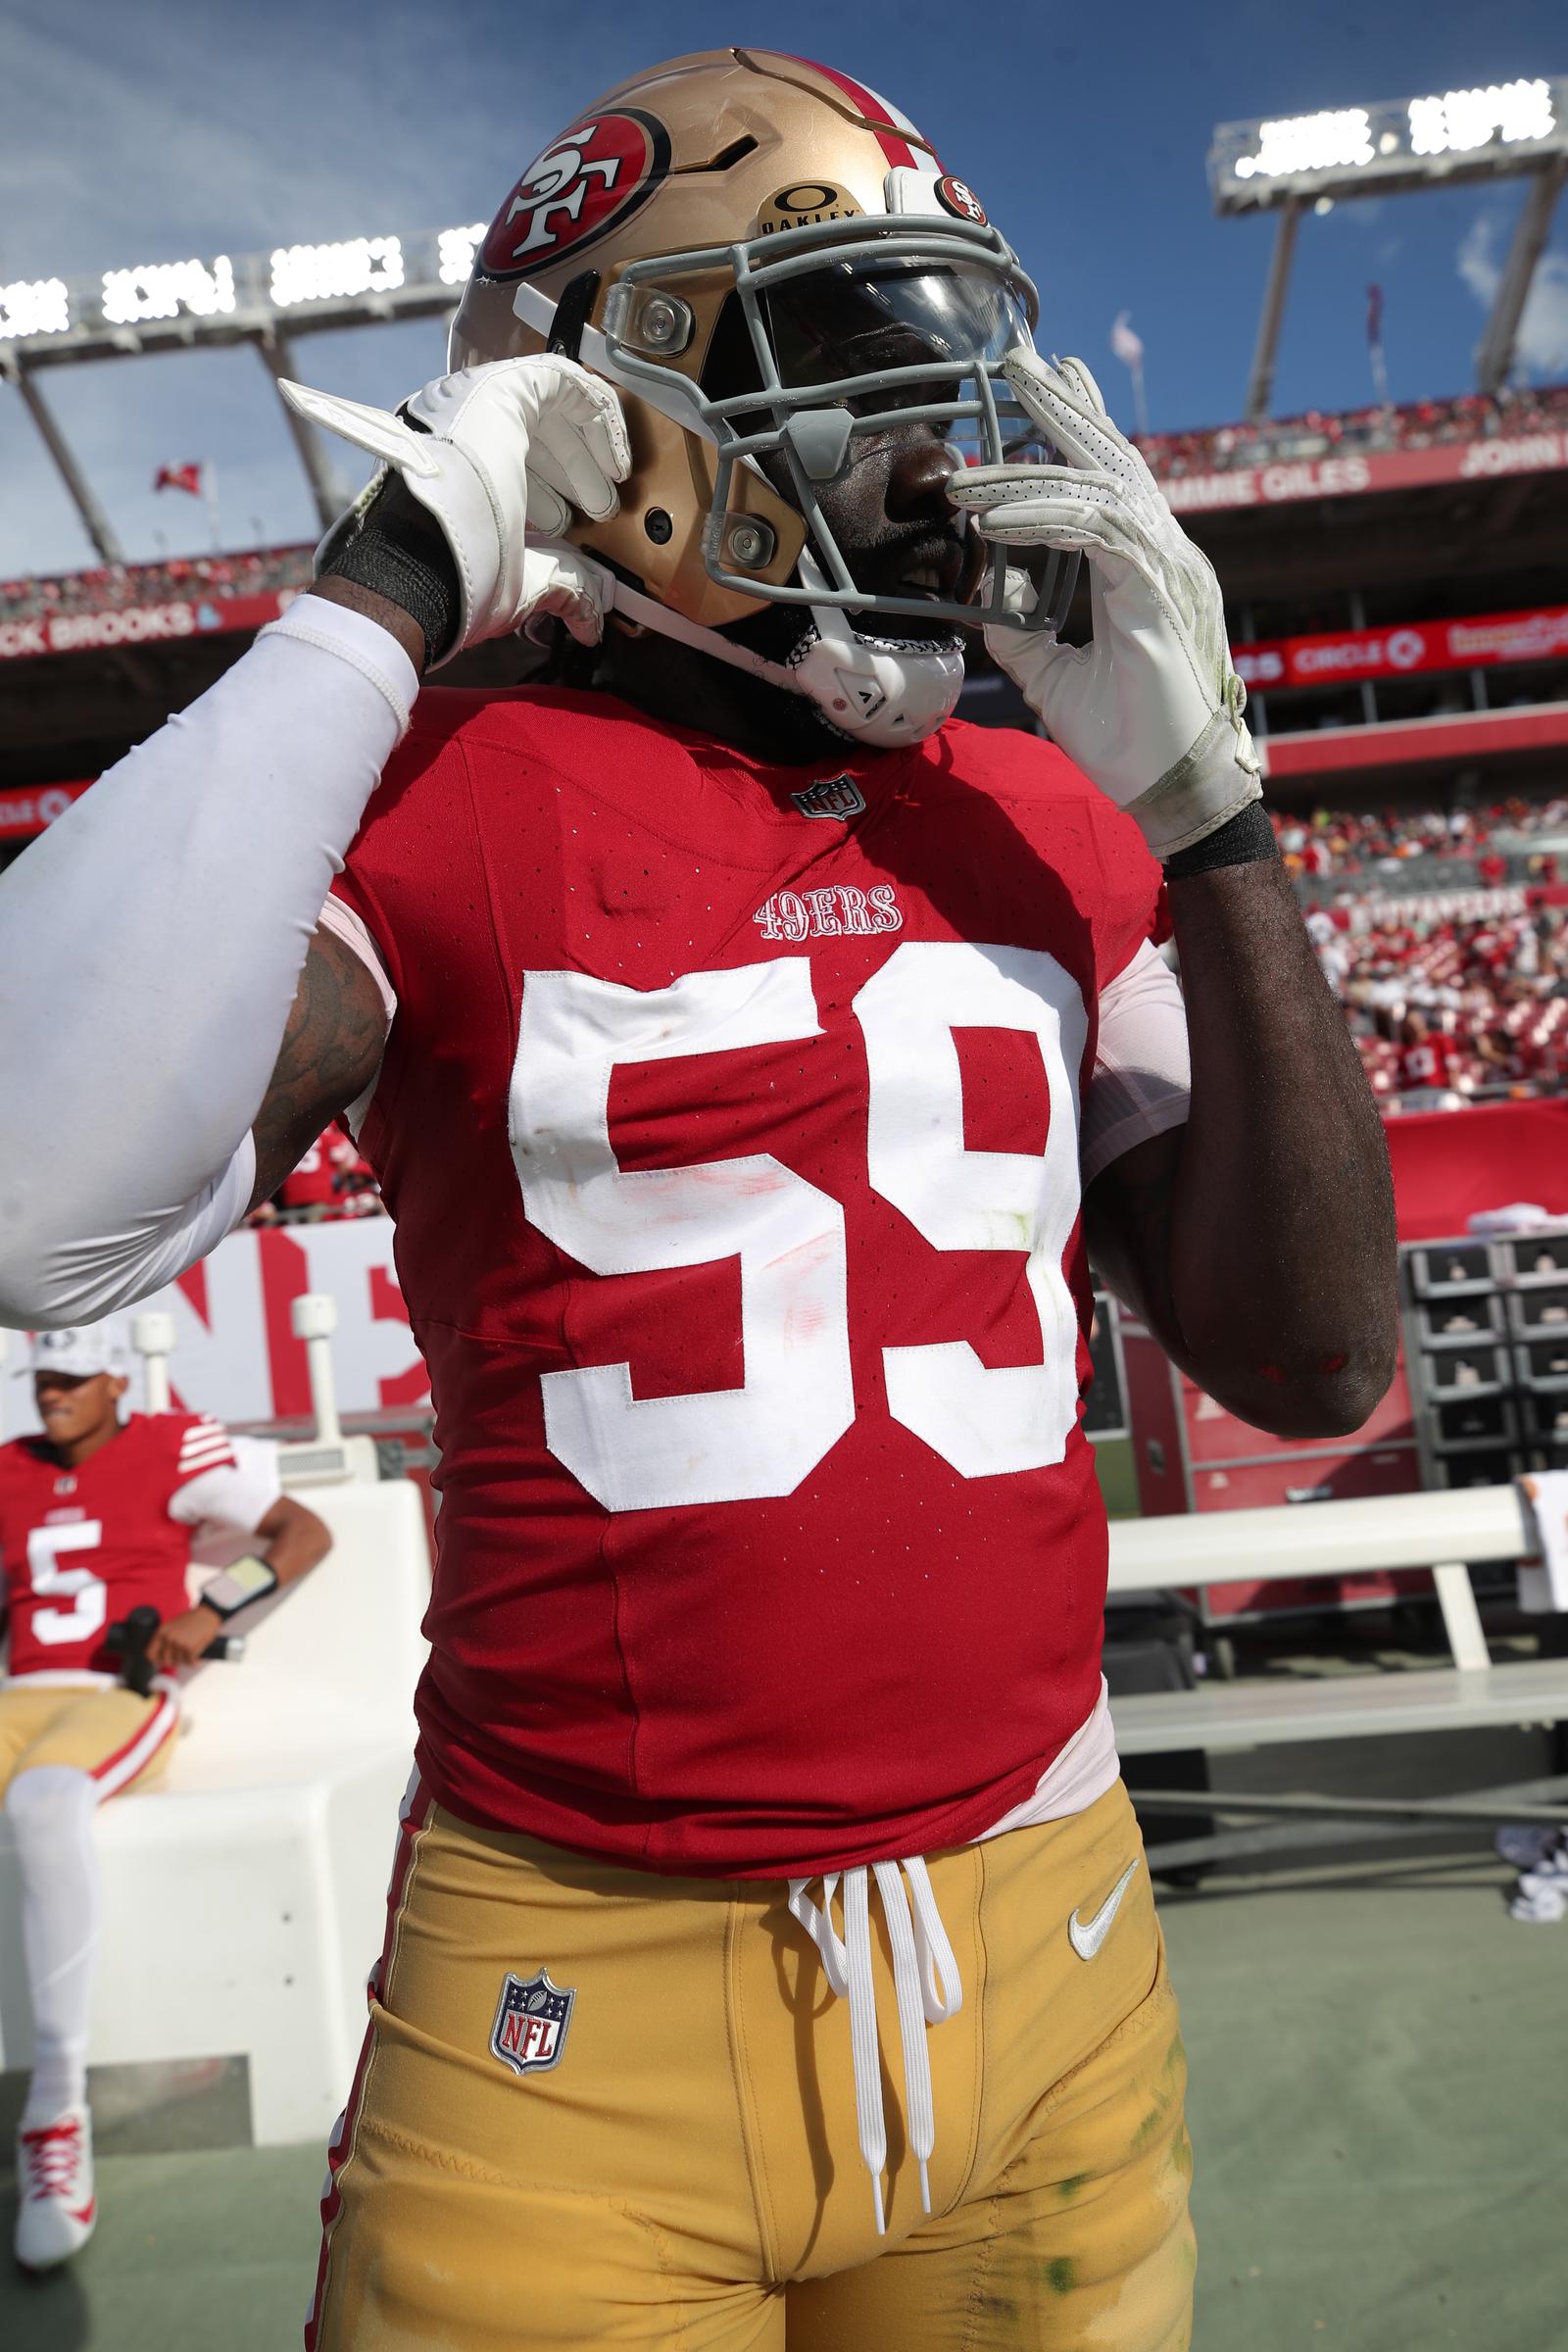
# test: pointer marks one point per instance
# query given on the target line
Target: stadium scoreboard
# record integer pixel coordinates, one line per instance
(221, 298)
(1395, 144)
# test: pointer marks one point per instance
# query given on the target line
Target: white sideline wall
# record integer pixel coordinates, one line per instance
(244, 1894)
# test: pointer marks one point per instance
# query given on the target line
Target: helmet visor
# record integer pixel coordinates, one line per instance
(847, 319)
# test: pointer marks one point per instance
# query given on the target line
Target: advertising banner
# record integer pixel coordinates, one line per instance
(235, 1353)
(1478, 642)
(159, 624)
(24, 814)
(1355, 474)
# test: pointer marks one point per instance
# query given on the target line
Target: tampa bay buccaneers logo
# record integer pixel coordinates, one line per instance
(584, 182)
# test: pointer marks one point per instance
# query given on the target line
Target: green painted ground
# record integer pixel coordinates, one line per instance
(1379, 2108)
(1378, 2113)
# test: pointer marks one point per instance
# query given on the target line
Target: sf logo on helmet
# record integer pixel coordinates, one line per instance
(955, 196)
(584, 182)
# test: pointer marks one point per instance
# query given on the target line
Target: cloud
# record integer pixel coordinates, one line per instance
(228, 130)
(1542, 344)
(241, 128)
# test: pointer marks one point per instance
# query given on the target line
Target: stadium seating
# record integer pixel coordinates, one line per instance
(1422, 424)
(108, 585)
(1458, 917)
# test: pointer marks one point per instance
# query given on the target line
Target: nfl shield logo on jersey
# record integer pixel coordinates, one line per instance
(531, 2020)
(835, 796)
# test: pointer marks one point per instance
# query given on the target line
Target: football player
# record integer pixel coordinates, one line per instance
(96, 1515)
(750, 1054)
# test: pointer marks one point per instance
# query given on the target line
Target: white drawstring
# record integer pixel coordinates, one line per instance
(925, 1984)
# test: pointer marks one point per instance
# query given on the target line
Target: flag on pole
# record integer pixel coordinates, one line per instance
(1374, 342)
(1128, 347)
(187, 478)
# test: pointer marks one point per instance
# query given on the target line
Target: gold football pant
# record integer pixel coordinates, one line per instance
(120, 1741)
(678, 2166)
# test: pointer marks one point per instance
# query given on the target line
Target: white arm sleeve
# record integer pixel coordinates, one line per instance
(150, 946)
(1143, 1079)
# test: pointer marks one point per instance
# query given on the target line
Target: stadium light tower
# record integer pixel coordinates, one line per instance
(266, 298)
(1505, 130)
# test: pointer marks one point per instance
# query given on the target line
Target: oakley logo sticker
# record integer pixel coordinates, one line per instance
(803, 205)
(1087, 1935)
(584, 184)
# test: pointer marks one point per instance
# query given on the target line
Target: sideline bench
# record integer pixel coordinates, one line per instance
(1444, 1532)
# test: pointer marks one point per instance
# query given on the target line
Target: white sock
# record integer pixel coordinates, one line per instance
(51, 1811)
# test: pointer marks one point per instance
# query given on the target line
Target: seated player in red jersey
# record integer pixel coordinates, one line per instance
(1425, 1064)
(331, 1180)
(751, 1053)
(96, 1518)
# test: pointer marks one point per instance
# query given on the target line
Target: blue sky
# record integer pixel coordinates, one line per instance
(146, 135)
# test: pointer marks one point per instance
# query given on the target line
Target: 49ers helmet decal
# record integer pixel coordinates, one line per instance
(770, 265)
(584, 184)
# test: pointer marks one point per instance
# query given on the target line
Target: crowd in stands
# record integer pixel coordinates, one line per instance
(1454, 980)
(1446, 1008)
(1468, 416)
(109, 586)
(1344, 846)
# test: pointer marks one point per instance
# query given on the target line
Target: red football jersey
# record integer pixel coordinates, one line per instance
(730, 1124)
(1428, 1063)
(82, 1548)
(313, 1184)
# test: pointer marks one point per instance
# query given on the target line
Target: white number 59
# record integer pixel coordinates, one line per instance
(796, 1398)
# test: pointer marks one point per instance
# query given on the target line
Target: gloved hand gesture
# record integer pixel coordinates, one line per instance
(501, 457)
(1151, 709)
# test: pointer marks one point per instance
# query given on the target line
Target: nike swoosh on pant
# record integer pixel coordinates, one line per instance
(1087, 1935)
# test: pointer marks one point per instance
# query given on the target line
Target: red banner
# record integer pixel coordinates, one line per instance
(1351, 473)
(140, 625)
(24, 814)
(1474, 643)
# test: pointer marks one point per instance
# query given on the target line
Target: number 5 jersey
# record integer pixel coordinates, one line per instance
(733, 1119)
(82, 1548)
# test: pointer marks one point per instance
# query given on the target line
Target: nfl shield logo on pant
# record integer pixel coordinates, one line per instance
(531, 2020)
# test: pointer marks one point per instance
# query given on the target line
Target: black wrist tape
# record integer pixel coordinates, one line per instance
(402, 556)
(1243, 840)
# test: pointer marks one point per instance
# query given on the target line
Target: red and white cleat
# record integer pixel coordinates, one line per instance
(57, 2206)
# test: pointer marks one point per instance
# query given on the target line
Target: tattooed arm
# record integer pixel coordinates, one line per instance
(330, 1053)
(1257, 1242)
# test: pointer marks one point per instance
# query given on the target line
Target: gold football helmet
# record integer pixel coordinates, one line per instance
(770, 265)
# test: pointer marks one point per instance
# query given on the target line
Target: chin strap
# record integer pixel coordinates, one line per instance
(880, 693)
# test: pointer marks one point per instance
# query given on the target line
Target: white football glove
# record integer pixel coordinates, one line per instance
(507, 452)
(1151, 710)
